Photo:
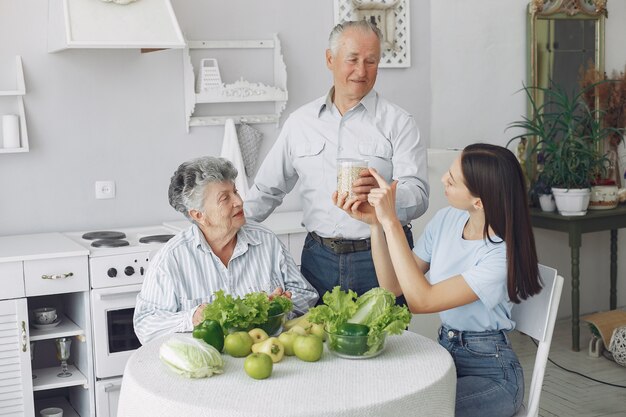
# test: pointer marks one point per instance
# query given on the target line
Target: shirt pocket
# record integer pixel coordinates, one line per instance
(378, 154)
(308, 149)
(307, 158)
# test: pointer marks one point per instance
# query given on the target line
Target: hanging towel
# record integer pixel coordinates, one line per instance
(250, 143)
(232, 152)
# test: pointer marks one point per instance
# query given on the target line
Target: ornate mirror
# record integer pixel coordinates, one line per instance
(565, 37)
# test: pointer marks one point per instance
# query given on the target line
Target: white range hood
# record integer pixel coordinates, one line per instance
(93, 24)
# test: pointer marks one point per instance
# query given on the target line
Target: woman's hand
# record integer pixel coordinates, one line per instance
(278, 292)
(383, 199)
(198, 316)
(356, 208)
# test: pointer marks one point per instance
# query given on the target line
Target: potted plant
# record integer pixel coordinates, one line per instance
(542, 191)
(610, 95)
(568, 138)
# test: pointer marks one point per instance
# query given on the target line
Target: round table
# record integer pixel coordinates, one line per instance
(413, 376)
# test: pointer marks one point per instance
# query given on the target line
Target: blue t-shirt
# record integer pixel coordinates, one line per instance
(481, 263)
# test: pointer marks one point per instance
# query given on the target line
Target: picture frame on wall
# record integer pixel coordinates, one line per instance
(391, 17)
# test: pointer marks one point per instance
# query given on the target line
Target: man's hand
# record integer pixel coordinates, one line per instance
(198, 316)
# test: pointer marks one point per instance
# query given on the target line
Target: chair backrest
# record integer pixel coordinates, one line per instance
(535, 317)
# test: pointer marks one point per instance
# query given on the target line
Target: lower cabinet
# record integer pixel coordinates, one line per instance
(46, 362)
(16, 388)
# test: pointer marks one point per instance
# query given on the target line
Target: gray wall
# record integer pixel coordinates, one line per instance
(118, 114)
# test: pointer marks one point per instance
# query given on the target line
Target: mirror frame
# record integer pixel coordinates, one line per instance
(557, 10)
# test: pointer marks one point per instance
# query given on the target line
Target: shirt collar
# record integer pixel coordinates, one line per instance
(368, 102)
(244, 239)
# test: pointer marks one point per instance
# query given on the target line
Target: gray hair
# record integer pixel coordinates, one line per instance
(361, 25)
(187, 185)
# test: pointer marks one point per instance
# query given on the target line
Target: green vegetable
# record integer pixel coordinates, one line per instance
(278, 305)
(211, 332)
(375, 309)
(351, 329)
(372, 305)
(244, 313)
(351, 339)
(191, 358)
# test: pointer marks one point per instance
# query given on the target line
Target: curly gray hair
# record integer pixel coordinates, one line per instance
(187, 185)
(361, 25)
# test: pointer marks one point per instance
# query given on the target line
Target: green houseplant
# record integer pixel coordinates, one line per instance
(568, 141)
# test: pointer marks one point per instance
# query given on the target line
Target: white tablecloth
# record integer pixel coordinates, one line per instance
(414, 376)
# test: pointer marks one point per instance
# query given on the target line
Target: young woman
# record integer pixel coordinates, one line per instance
(481, 256)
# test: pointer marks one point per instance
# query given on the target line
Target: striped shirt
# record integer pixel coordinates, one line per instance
(186, 273)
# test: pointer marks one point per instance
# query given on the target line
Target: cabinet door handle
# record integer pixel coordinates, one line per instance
(112, 387)
(57, 276)
(24, 337)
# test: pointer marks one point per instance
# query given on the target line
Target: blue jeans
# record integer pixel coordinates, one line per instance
(325, 269)
(490, 380)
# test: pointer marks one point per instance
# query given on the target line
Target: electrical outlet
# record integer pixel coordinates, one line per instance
(105, 189)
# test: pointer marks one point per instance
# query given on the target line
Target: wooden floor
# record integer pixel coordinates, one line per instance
(568, 395)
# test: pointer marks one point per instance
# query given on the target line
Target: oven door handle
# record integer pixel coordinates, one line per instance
(117, 295)
(112, 387)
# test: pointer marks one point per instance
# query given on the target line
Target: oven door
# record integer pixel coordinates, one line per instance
(107, 397)
(113, 333)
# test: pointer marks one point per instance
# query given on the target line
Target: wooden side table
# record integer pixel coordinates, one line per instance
(575, 226)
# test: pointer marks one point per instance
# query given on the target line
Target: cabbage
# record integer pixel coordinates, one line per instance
(372, 305)
(191, 358)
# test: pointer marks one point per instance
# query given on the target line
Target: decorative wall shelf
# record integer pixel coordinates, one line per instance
(240, 91)
(18, 93)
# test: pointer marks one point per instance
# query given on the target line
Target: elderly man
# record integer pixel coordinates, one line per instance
(219, 251)
(351, 121)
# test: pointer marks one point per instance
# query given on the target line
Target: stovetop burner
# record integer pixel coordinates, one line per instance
(110, 243)
(155, 238)
(106, 235)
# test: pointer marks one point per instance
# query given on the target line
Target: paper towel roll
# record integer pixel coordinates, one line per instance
(11, 131)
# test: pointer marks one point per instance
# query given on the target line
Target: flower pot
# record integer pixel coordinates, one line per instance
(603, 197)
(546, 201)
(571, 201)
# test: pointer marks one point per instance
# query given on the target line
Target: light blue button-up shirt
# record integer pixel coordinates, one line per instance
(186, 273)
(311, 141)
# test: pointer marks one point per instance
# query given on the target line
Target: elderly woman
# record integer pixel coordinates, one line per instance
(219, 251)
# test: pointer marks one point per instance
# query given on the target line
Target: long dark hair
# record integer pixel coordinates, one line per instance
(493, 174)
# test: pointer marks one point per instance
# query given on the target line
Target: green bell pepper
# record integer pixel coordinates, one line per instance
(211, 332)
(355, 341)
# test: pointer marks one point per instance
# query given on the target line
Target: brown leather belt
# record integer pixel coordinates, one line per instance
(343, 246)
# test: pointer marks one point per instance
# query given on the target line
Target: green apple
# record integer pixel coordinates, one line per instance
(298, 330)
(258, 365)
(287, 339)
(238, 344)
(258, 335)
(308, 348)
(317, 330)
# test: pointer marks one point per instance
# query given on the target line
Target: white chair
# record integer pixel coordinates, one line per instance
(535, 317)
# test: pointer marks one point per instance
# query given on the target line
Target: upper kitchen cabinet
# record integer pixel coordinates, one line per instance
(13, 133)
(98, 24)
(208, 87)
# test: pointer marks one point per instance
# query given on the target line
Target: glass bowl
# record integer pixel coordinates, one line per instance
(274, 324)
(353, 347)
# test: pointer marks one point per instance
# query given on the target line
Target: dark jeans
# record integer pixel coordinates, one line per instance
(490, 380)
(325, 269)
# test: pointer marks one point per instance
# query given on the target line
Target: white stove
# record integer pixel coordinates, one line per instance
(118, 261)
(121, 256)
